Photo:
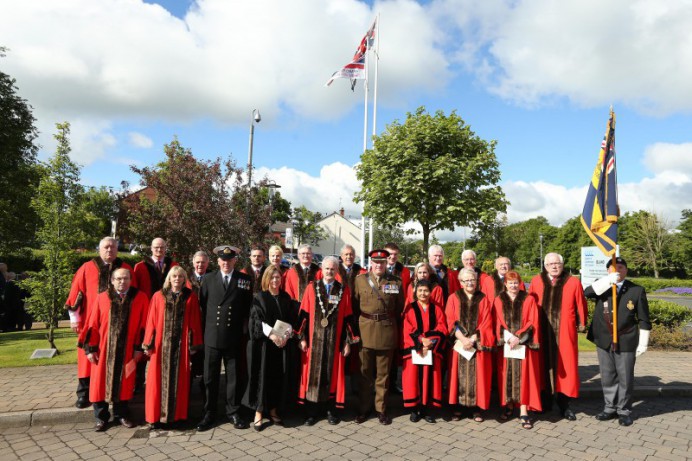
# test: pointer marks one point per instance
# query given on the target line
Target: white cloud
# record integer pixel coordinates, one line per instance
(140, 140)
(661, 156)
(635, 52)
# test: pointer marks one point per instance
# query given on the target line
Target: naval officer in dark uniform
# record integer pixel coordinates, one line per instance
(617, 363)
(379, 298)
(225, 297)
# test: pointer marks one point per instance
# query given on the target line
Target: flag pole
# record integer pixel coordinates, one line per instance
(612, 264)
(365, 147)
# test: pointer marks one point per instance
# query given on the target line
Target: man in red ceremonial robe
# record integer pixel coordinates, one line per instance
(173, 334)
(469, 260)
(326, 330)
(447, 278)
(112, 340)
(469, 320)
(300, 275)
(92, 278)
(562, 307)
(150, 272)
(424, 332)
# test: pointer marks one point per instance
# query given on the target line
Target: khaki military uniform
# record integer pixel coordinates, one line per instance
(378, 324)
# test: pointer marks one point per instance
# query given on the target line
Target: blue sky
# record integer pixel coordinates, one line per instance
(536, 76)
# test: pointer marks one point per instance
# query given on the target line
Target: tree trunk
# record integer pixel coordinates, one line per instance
(426, 237)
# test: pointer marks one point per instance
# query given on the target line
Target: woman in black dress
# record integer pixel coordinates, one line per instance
(271, 357)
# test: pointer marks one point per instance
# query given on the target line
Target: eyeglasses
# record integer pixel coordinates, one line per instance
(554, 264)
(468, 282)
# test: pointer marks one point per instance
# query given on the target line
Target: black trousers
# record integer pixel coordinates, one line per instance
(83, 388)
(120, 410)
(212, 375)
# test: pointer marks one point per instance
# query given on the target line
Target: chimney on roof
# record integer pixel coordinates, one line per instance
(341, 211)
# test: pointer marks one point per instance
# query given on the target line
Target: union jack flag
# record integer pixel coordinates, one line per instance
(355, 70)
(601, 209)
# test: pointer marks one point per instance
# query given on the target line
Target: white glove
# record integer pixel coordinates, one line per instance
(602, 285)
(74, 315)
(643, 342)
(614, 277)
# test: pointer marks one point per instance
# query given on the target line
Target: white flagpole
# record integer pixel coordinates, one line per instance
(374, 103)
(365, 147)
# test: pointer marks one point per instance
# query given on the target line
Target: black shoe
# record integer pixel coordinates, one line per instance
(333, 419)
(206, 423)
(360, 419)
(603, 416)
(258, 425)
(127, 423)
(310, 421)
(625, 420)
(415, 416)
(569, 415)
(238, 422)
(384, 419)
(101, 425)
(82, 402)
(429, 419)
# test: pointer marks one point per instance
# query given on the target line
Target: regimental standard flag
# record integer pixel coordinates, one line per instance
(355, 70)
(601, 210)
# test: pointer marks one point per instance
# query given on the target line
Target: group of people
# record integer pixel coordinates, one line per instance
(292, 335)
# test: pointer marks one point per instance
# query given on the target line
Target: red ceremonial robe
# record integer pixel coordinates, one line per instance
(470, 380)
(562, 307)
(449, 281)
(436, 295)
(92, 278)
(173, 331)
(323, 364)
(115, 330)
(519, 380)
(423, 383)
(297, 279)
(148, 278)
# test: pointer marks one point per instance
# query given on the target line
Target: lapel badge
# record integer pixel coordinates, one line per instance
(630, 305)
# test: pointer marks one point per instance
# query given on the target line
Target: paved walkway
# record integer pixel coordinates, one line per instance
(45, 395)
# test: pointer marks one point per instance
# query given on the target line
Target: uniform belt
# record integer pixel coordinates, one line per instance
(377, 317)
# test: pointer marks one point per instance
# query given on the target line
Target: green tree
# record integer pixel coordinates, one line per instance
(682, 247)
(305, 227)
(57, 205)
(431, 169)
(525, 238)
(195, 205)
(410, 251)
(568, 241)
(98, 208)
(645, 241)
(19, 173)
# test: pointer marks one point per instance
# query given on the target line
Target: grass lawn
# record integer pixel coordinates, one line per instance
(584, 344)
(16, 348)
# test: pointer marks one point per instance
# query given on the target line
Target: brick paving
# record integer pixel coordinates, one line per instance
(37, 421)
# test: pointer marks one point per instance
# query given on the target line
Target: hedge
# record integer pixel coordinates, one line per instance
(651, 284)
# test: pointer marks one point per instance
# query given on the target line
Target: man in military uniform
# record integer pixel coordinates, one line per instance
(616, 361)
(379, 298)
(225, 297)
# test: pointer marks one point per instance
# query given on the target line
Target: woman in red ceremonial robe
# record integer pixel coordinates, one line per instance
(518, 324)
(470, 326)
(422, 272)
(425, 329)
(173, 333)
(326, 331)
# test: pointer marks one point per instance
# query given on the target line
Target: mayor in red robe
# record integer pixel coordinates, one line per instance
(423, 271)
(518, 324)
(562, 308)
(424, 332)
(326, 331)
(92, 278)
(469, 321)
(173, 334)
(150, 272)
(112, 340)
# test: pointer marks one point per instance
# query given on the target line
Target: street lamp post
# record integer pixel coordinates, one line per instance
(540, 237)
(255, 118)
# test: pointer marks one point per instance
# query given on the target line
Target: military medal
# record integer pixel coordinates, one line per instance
(332, 301)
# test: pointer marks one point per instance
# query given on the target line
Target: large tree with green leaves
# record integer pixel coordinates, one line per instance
(305, 227)
(195, 205)
(645, 241)
(433, 170)
(57, 204)
(682, 247)
(19, 174)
